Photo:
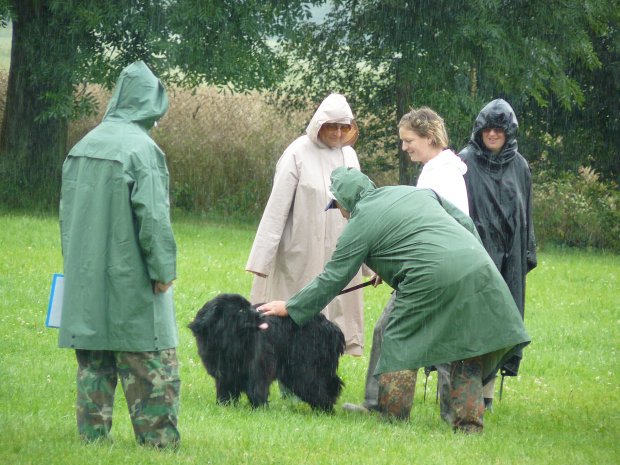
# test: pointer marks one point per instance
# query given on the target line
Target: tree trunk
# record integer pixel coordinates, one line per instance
(33, 137)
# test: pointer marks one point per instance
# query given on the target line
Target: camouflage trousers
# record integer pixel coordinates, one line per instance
(151, 384)
(464, 394)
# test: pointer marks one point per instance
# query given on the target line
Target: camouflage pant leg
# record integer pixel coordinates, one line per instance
(152, 389)
(466, 402)
(396, 391)
(96, 383)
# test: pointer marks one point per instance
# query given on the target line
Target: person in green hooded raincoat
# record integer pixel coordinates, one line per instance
(119, 264)
(452, 305)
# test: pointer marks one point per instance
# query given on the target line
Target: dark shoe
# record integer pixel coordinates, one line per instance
(488, 404)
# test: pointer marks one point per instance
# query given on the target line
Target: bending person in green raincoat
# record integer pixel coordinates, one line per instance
(119, 263)
(451, 304)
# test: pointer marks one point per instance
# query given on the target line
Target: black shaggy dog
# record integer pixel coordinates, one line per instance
(245, 352)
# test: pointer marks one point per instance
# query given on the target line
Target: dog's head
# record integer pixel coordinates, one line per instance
(226, 330)
(227, 313)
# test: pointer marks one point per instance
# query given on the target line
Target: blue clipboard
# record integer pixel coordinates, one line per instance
(54, 308)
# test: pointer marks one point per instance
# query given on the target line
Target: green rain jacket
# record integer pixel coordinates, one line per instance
(115, 227)
(451, 302)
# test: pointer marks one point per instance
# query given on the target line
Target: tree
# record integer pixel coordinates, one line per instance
(59, 45)
(388, 55)
(590, 134)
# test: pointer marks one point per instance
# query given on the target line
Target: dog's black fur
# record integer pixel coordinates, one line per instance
(245, 352)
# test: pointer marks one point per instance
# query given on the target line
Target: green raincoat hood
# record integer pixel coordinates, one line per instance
(349, 186)
(138, 97)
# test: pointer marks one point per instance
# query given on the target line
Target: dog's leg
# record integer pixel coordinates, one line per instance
(227, 392)
(258, 392)
(258, 399)
(261, 370)
(316, 382)
(324, 395)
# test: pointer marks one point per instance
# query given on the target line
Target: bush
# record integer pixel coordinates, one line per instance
(576, 210)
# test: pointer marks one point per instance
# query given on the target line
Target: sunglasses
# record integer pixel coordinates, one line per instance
(495, 130)
(344, 128)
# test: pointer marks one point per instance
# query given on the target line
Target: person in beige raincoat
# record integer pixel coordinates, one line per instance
(296, 237)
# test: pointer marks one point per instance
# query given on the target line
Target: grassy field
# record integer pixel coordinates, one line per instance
(564, 408)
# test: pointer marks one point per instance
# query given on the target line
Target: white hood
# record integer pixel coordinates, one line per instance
(334, 109)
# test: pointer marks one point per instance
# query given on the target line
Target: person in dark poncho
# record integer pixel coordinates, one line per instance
(499, 189)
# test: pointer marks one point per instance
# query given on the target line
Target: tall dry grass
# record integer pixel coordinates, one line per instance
(221, 147)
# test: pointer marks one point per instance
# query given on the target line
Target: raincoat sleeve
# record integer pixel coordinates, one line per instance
(149, 200)
(531, 239)
(351, 250)
(271, 227)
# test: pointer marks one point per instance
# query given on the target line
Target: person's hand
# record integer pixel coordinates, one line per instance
(377, 280)
(274, 308)
(160, 288)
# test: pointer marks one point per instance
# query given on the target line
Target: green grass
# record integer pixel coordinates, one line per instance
(564, 407)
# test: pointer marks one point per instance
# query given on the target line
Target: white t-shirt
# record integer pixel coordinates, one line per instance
(444, 174)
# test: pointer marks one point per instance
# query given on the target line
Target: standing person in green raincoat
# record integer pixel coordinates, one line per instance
(119, 264)
(452, 305)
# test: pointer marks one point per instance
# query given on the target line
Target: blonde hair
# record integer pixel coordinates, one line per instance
(426, 123)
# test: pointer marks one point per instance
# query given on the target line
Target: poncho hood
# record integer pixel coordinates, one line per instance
(496, 114)
(138, 97)
(334, 109)
(349, 186)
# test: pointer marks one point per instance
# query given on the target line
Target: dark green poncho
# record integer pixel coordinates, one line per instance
(451, 303)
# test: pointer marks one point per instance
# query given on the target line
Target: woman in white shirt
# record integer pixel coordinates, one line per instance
(425, 139)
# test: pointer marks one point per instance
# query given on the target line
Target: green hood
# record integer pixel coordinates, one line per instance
(349, 186)
(138, 97)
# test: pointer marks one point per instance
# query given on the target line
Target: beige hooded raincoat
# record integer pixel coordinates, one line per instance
(296, 237)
